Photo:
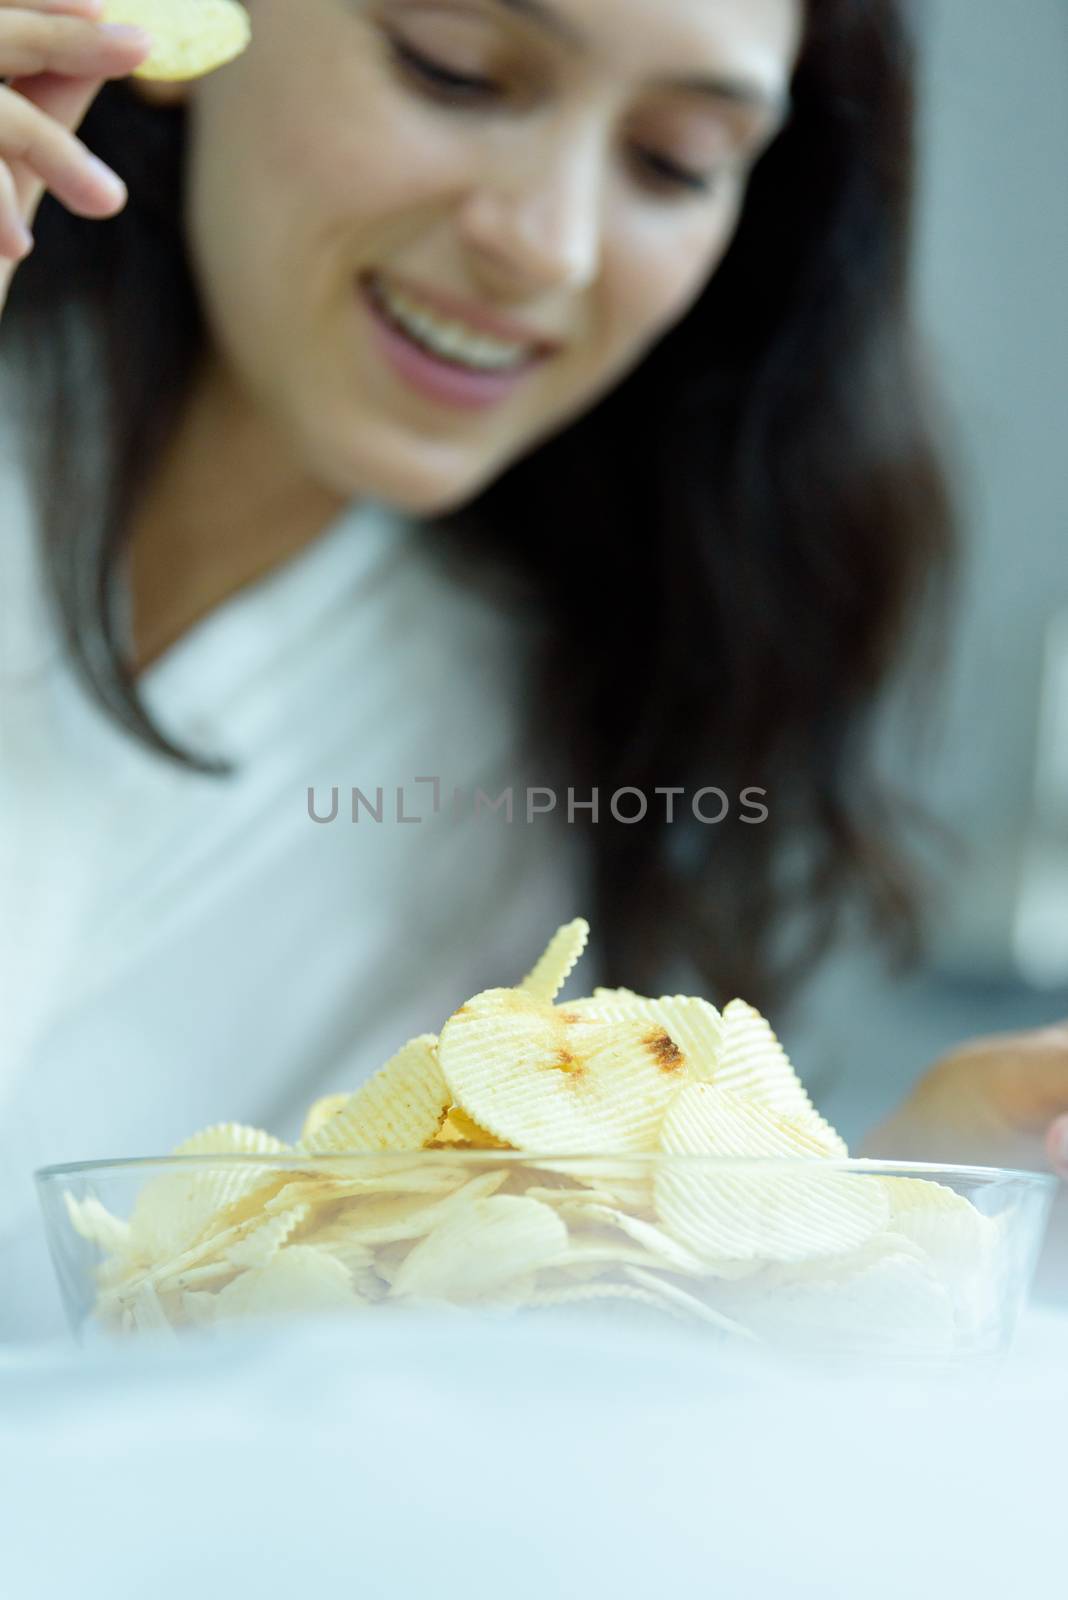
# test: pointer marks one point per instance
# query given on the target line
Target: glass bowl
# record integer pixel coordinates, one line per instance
(903, 1262)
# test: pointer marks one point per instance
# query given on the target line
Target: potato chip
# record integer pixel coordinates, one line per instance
(542, 1078)
(261, 1244)
(554, 968)
(357, 1257)
(321, 1112)
(95, 1222)
(688, 1304)
(586, 1294)
(752, 1062)
(194, 1278)
(704, 1119)
(386, 1220)
(148, 1314)
(659, 1248)
(198, 1308)
(176, 1212)
(231, 1139)
(694, 1024)
(189, 37)
(299, 1279)
(460, 1130)
(400, 1108)
(960, 1244)
(480, 1248)
(881, 1300)
(768, 1213)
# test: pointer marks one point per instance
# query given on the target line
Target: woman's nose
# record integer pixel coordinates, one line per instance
(540, 228)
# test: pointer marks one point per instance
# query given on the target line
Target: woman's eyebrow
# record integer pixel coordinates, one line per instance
(720, 86)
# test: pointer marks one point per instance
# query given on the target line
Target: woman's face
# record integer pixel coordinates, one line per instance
(430, 233)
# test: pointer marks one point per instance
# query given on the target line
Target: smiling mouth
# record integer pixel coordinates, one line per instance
(448, 340)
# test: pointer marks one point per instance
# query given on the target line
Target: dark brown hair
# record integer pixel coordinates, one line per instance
(731, 549)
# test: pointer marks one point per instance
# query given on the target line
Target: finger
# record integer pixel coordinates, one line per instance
(1057, 1146)
(66, 101)
(40, 150)
(74, 46)
(89, 9)
(15, 242)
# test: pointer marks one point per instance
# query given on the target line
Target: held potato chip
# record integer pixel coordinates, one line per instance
(545, 1078)
(559, 961)
(400, 1108)
(189, 37)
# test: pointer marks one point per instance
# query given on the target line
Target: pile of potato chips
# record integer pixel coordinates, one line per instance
(654, 1154)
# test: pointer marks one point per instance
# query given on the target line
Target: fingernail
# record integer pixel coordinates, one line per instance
(111, 179)
(124, 33)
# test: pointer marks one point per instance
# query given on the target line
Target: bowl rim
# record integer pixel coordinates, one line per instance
(293, 1160)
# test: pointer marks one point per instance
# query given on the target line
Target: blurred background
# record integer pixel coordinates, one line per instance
(993, 276)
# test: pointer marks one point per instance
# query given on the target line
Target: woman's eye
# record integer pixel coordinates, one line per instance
(665, 173)
(439, 79)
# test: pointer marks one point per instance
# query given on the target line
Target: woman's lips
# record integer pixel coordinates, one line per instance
(432, 376)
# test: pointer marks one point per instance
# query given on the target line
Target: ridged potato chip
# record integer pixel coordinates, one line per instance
(299, 1279)
(95, 1222)
(554, 968)
(320, 1113)
(480, 1248)
(585, 1294)
(189, 37)
(375, 1221)
(659, 1247)
(261, 1244)
(882, 1299)
(179, 1209)
(959, 1243)
(694, 1024)
(752, 1062)
(543, 1078)
(231, 1139)
(400, 1108)
(764, 1214)
(460, 1130)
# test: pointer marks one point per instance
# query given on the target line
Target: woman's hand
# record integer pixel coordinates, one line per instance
(999, 1101)
(55, 55)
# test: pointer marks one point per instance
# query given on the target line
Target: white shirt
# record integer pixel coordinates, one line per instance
(178, 950)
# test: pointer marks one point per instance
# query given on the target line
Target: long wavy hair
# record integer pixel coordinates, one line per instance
(731, 550)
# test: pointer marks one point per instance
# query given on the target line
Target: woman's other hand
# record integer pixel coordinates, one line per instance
(55, 56)
(1000, 1101)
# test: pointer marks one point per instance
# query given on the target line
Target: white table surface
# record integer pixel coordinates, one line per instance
(471, 1458)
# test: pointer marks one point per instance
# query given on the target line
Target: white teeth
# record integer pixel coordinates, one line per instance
(451, 339)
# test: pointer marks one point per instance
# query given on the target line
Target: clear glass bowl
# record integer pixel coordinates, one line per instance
(901, 1262)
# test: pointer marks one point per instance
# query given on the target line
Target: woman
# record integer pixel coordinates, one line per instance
(608, 304)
